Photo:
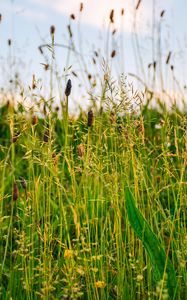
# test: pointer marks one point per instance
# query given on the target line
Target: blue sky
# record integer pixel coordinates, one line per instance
(27, 23)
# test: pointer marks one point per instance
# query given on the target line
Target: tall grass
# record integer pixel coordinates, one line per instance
(66, 234)
(69, 226)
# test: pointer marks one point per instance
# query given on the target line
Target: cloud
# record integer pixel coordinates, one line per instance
(97, 14)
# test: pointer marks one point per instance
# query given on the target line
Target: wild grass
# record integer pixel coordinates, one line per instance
(64, 229)
(93, 206)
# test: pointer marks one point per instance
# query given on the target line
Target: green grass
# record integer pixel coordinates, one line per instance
(67, 235)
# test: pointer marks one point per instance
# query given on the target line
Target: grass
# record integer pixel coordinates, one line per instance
(93, 206)
(66, 235)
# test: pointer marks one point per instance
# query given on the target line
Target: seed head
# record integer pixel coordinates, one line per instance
(9, 42)
(168, 58)
(90, 118)
(15, 137)
(80, 150)
(113, 54)
(81, 6)
(46, 136)
(33, 82)
(68, 88)
(122, 11)
(162, 13)
(34, 120)
(0, 18)
(112, 16)
(52, 30)
(15, 194)
(72, 16)
(23, 182)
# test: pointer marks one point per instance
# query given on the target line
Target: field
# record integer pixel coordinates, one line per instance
(93, 206)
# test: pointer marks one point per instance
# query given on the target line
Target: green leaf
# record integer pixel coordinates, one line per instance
(152, 245)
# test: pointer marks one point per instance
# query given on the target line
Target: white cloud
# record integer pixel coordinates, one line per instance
(96, 13)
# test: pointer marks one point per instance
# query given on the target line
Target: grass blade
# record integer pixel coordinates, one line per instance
(161, 264)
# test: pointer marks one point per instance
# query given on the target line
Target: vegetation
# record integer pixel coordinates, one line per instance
(93, 206)
(65, 232)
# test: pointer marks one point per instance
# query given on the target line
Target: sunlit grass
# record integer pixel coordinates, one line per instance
(66, 235)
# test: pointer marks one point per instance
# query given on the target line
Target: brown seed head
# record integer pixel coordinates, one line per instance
(52, 30)
(15, 193)
(34, 120)
(68, 88)
(46, 136)
(33, 82)
(72, 16)
(80, 150)
(15, 137)
(162, 13)
(112, 16)
(90, 118)
(23, 182)
(113, 54)
(81, 6)
(168, 58)
(122, 11)
(96, 53)
(0, 18)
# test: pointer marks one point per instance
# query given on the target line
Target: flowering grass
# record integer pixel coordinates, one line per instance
(64, 230)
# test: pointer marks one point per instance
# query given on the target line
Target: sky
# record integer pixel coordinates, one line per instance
(137, 44)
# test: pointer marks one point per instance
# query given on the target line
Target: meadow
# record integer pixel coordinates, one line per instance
(93, 206)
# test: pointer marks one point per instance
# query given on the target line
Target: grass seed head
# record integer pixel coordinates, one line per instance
(113, 54)
(52, 30)
(34, 120)
(112, 16)
(15, 137)
(33, 82)
(162, 13)
(9, 42)
(81, 6)
(68, 88)
(72, 16)
(46, 136)
(23, 182)
(168, 58)
(0, 18)
(90, 118)
(15, 194)
(80, 151)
